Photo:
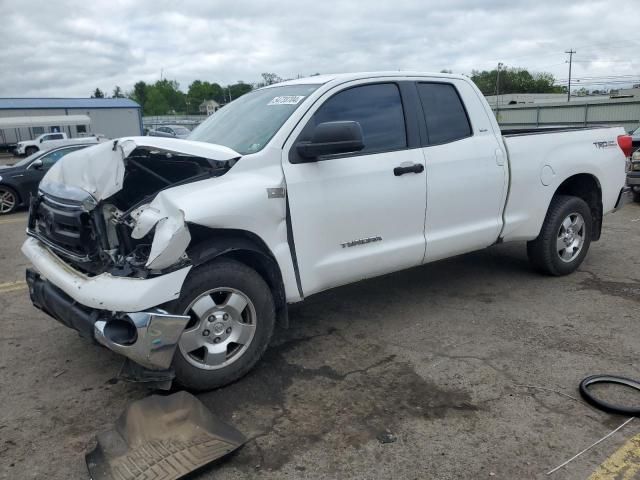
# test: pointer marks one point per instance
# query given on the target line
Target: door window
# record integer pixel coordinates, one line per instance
(444, 113)
(378, 110)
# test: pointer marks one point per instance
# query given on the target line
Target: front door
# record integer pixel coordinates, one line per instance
(352, 216)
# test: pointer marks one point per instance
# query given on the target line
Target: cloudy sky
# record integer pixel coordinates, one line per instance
(68, 48)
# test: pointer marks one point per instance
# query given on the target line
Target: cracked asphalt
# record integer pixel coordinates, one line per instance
(465, 368)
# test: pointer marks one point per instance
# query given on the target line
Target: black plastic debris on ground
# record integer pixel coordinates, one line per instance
(164, 437)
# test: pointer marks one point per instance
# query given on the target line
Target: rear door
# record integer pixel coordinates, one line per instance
(466, 170)
(351, 216)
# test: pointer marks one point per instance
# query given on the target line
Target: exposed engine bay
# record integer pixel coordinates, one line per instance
(101, 219)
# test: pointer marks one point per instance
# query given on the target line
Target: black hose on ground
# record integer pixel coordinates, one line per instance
(606, 406)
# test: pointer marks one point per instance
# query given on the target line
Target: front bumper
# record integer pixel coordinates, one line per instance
(148, 338)
(118, 312)
(105, 292)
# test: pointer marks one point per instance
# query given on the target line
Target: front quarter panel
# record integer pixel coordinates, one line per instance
(239, 200)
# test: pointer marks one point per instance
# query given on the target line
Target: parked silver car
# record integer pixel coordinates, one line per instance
(171, 131)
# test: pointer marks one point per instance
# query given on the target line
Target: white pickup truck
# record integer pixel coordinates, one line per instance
(47, 141)
(182, 254)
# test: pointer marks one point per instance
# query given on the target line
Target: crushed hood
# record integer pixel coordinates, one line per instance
(99, 170)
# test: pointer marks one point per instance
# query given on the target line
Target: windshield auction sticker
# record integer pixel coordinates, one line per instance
(286, 100)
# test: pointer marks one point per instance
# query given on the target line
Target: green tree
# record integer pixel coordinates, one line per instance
(156, 103)
(117, 92)
(200, 91)
(515, 80)
(174, 98)
(237, 90)
(271, 78)
(139, 94)
(97, 94)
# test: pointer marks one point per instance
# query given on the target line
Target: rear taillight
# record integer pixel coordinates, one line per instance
(626, 144)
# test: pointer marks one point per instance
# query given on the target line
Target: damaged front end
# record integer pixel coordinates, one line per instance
(98, 208)
(109, 249)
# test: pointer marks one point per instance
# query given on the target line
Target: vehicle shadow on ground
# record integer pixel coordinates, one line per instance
(328, 378)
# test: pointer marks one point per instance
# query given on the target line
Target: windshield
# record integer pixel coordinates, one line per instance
(247, 124)
(636, 131)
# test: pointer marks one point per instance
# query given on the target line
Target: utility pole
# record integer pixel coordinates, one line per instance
(498, 90)
(570, 52)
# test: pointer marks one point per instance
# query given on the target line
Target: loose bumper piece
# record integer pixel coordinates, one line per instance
(161, 437)
(147, 338)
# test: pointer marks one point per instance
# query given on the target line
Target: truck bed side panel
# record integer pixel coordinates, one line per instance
(552, 159)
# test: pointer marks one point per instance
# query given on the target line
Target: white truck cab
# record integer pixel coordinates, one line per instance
(47, 141)
(181, 254)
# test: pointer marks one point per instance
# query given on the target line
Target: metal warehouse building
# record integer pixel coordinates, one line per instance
(545, 110)
(26, 118)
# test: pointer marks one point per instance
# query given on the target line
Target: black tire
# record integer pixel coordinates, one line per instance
(224, 273)
(6, 193)
(636, 196)
(30, 150)
(543, 253)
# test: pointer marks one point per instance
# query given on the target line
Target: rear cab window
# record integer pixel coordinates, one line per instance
(445, 115)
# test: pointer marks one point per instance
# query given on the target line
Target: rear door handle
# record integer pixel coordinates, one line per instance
(415, 168)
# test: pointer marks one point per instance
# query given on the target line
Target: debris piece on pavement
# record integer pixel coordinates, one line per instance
(386, 437)
(57, 374)
(161, 436)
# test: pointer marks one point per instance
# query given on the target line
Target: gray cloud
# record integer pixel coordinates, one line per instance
(67, 48)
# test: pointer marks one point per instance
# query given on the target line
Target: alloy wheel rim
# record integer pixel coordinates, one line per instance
(222, 326)
(7, 201)
(571, 236)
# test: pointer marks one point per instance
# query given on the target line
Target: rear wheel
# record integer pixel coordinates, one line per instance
(565, 236)
(232, 319)
(8, 200)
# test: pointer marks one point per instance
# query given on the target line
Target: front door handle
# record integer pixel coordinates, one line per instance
(415, 168)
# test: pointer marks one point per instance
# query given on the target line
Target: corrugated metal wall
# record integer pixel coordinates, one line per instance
(111, 122)
(625, 113)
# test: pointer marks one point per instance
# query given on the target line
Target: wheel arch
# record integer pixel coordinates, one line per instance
(587, 187)
(243, 246)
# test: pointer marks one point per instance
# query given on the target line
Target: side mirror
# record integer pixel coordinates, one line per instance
(41, 140)
(332, 138)
(37, 164)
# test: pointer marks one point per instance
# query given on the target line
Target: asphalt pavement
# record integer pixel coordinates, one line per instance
(463, 369)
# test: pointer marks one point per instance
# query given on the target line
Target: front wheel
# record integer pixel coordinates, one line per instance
(565, 236)
(8, 200)
(30, 151)
(232, 319)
